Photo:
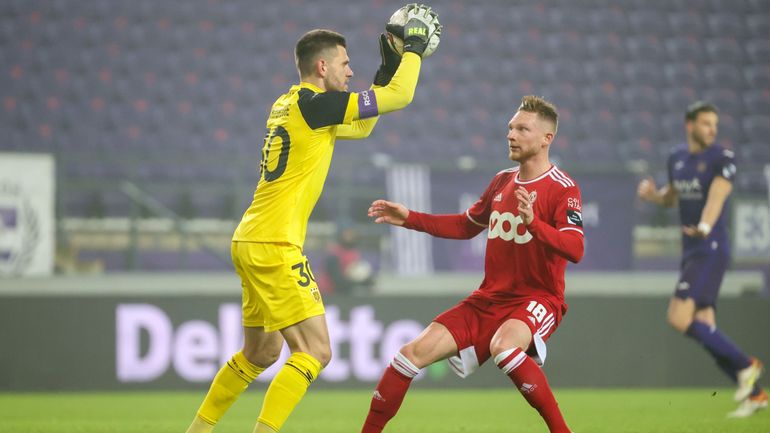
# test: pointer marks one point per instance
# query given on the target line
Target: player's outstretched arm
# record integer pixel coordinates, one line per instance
(648, 191)
(399, 90)
(386, 212)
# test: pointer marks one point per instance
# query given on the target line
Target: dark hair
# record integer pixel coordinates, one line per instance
(697, 107)
(541, 107)
(311, 44)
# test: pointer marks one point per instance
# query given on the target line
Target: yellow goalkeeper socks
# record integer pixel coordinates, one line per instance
(287, 389)
(233, 378)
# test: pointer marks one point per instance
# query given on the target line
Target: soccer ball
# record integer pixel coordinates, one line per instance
(399, 19)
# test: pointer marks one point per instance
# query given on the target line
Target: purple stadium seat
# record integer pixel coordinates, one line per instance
(609, 20)
(648, 22)
(677, 98)
(758, 50)
(643, 72)
(645, 48)
(684, 49)
(757, 128)
(604, 71)
(682, 73)
(606, 45)
(727, 50)
(726, 99)
(642, 97)
(726, 24)
(757, 101)
(759, 24)
(723, 75)
(688, 23)
(758, 76)
(672, 126)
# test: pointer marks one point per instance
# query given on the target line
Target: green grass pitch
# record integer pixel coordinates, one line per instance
(424, 411)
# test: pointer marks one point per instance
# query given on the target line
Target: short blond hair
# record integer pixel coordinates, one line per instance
(544, 109)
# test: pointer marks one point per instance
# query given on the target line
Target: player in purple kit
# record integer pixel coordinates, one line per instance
(700, 177)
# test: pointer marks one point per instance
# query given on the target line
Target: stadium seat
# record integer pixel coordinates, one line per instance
(682, 73)
(723, 75)
(565, 45)
(726, 24)
(758, 76)
(646, 48)
(608, 20)
(757, 128)
(678, 97)
(726, 100)
(599, 126)
(648, 22)
(672, 126)
(684, 49)
(757, 102)
(687, 23)
(759, 24)
(726, 50)
(563, 70)
(604, 71)
(604, 45)
(642, 97)
(643, 72)
(639, 125)
(758, 50)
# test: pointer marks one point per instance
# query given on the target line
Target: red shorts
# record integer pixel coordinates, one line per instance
(473, 322)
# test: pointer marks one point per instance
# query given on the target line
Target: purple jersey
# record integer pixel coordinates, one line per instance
(691, 176)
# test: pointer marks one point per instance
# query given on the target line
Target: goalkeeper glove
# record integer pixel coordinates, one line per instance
(389, 64)
(415, 33)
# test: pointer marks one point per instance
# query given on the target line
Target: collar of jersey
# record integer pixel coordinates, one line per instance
(524, 182)
(312, 87)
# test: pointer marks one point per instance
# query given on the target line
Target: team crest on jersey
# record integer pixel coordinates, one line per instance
(499, 197)
(678, 165)
(701, 166)
(532, 197)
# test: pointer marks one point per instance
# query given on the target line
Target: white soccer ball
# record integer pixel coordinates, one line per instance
(399, 18)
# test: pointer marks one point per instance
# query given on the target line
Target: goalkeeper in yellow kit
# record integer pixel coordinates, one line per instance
(279, 289)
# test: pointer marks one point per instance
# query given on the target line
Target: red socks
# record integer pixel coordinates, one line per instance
(389, 393)
(531, 382)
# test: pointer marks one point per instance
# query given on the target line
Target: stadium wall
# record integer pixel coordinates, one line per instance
(165, 340)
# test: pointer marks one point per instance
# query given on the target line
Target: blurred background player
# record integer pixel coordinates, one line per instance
(279, 289)
(701, 177)
(345, 270)
(533, 215)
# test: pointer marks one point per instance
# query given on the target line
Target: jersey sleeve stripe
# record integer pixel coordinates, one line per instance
(563, 183)
(563, 177)
(563, 229)
(473, 220)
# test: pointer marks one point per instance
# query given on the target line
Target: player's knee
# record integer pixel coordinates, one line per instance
(262, 358)
(497, 347)
(678, 321)
(322, 354)
(325, 357)
(413, 352)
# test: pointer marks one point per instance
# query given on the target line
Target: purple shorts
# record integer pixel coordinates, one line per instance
(700, 278)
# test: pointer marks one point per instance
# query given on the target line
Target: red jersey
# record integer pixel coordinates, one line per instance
(520, 261)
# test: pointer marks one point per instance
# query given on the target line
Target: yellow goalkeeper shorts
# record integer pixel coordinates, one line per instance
(279, 288)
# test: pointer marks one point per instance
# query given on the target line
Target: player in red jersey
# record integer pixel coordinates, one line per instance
(532, 213)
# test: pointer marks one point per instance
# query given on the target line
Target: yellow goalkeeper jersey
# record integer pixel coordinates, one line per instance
(302, 128)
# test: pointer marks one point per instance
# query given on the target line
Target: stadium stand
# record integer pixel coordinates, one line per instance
(173, 96)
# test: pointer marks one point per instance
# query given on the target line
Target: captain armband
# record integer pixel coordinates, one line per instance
(367, 104)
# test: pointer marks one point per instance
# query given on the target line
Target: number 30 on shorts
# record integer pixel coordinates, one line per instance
(306, 275)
